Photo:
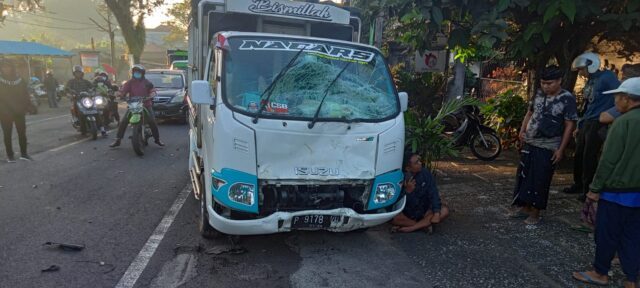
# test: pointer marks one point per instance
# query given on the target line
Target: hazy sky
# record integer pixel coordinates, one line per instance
(66, 20)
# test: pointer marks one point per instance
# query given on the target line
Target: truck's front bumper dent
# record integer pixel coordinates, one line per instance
(281, 221)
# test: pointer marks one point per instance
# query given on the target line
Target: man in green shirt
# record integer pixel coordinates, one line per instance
(616, 188)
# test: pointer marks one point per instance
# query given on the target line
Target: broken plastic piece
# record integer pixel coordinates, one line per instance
(52, 268)
(65, 246)
(231, 249)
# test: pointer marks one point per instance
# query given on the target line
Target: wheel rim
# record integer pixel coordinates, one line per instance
(492, 148)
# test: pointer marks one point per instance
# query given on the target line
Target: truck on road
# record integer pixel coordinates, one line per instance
(294, 125)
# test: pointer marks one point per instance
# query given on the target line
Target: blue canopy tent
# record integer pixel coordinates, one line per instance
(31, 49)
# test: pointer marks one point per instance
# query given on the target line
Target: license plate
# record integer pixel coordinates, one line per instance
(313, 221)
(159, 113)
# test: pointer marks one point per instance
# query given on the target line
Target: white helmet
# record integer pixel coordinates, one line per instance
(588, 60)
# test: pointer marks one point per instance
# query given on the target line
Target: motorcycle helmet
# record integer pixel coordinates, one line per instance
(588, 60)
(78, 69)
(138, 68)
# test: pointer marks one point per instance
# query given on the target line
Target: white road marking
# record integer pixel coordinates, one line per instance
(68, 145)
(138, 265)
(47, 119)
(73, 143)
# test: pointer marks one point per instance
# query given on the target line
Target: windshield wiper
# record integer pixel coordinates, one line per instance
(271, 86)
(326, 92)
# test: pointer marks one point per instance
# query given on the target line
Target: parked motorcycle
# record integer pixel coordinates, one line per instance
(482, 140)
(140, 131)
(88, 110)
(36, 91)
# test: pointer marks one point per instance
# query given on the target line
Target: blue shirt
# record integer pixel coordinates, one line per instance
(614, 112)
(424, 198)
(627, 199)
(596, 102)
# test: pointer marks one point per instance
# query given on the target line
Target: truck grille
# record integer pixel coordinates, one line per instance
(290, 198)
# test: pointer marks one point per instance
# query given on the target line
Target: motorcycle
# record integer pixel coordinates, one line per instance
(36, 91)
(140, 131)
(59, 92)
(88, 108)
(482, 140)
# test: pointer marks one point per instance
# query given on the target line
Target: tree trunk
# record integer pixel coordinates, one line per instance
(457, 88)
(133, 32)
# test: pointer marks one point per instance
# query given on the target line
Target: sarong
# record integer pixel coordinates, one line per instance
(533, 178)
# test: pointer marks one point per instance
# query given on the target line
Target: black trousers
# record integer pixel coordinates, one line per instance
(588, 145)
(149, 118)
(617, 230)
(53, 102)
(7, 132)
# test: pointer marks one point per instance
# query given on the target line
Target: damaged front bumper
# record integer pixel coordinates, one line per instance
(342, 220)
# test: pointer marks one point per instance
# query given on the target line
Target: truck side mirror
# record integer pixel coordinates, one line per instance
(404, 101)
(201, 92)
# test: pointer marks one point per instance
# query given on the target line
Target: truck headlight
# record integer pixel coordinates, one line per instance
(384, 192)
(242, 193)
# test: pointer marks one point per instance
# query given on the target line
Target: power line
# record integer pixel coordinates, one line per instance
(41, 14)
(64, 20)
(51, 27)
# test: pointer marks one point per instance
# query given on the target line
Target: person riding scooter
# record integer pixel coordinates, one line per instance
(138, 86)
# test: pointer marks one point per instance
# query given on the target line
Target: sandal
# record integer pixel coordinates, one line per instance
(582, 228)
(537, 221)
(587, 279)
(517, 215)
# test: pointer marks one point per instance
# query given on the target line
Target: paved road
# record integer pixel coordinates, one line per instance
(137, 219)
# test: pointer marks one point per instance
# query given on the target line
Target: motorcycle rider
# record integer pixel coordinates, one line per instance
(138, 86)
(106, 89)
(77, 85)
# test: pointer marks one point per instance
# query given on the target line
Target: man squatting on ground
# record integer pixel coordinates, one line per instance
(423, 207)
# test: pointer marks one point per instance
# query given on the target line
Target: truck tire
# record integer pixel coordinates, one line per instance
(206, 230)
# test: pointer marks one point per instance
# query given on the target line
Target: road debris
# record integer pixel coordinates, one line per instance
(222, 249)
(187, 248)
(65, 246)
(52, 268)
(111, 267)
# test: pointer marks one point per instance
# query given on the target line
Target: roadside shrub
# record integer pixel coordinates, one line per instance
(425, 89)
(505, 114)
(425, 133)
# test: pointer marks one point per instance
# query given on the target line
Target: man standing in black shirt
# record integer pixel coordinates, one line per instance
(14, 104)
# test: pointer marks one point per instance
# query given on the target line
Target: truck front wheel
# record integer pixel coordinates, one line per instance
(205, 228)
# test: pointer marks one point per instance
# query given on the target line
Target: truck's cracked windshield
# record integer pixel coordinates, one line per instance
(363, 91)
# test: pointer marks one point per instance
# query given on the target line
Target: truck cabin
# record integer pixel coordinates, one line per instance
(326, 20)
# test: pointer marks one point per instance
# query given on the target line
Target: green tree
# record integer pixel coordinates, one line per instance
(533, 32)
(179, 23)
(43, 38)
(130, 15)
(19, 6)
